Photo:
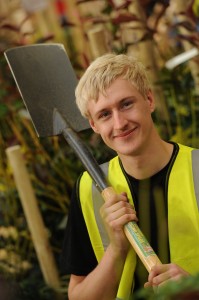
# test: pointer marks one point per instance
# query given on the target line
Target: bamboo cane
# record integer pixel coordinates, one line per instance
(98, 41)
(33, 217)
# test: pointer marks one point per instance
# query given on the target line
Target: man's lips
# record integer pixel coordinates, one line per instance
(125, 133)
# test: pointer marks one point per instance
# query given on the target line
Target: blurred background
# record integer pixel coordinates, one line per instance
(155, 32)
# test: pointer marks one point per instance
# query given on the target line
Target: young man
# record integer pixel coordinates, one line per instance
(154, 184)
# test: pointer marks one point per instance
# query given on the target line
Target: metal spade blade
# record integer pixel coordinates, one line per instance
(46, 81)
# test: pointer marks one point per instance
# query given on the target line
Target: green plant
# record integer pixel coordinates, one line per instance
(184, 289)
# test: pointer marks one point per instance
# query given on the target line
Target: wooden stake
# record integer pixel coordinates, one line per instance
(98, 41)
(33, 217)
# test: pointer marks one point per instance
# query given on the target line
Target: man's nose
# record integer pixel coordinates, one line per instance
(119, 121)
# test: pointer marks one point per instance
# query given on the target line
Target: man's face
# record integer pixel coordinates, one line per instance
(123, 118)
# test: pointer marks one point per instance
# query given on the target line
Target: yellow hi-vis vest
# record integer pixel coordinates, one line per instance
(183, 215)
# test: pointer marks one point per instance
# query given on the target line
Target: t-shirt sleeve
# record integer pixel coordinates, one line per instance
(77, 256)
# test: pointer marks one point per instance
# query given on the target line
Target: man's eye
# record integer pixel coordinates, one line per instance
(104, 115)
(127, 104)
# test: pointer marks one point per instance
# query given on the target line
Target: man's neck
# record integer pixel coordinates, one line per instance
(149, 162)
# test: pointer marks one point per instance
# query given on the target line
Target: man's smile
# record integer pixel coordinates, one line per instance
(125, 134)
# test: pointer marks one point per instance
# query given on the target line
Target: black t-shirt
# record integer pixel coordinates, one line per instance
(150, 199)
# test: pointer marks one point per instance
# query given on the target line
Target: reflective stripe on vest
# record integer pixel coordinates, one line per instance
(182, 214)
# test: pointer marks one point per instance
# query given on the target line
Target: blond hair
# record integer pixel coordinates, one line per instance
(101, 74)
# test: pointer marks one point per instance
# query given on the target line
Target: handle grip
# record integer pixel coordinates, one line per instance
(136, 238)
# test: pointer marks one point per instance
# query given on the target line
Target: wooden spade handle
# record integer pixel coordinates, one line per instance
(136, 238)
(33, 217)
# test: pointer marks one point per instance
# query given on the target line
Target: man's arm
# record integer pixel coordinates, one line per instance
(102, 283)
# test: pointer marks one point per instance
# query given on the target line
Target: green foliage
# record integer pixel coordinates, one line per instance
(183, 105)
(186, 288)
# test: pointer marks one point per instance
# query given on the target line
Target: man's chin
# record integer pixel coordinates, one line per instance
(130, 151)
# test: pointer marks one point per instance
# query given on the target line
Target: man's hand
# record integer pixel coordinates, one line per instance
(161, 274)
(116, 212)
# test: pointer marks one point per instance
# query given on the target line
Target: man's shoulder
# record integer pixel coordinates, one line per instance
(110, 161)
(185, 148)
(85, 175)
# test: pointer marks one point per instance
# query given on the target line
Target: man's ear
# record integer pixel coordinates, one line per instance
(92, 124)
(151, 100)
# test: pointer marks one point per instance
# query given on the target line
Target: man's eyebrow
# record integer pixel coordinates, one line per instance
(130, 97)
